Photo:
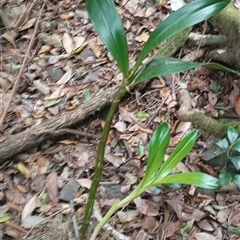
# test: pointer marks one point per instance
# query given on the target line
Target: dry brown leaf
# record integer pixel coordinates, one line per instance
(23, 169)
(120, 126)
(237, 105)
(30, 206)
(66, 77)
(10, 37)
(45, 49)
(234, 93)
(68, 142)
(144, 36)
(52, 187)
(85, 182)
(171, 229)
(147, 207)
(56, 94)
(212, 97)
(67, 43)
(198, 84)
(234, 218)
(28, 24)
(15, 197)
(78, 42)
(165, 92)
(67, 16)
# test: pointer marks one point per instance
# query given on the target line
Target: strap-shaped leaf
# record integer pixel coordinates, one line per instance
(108, 25)
(192, 13)
(161, 65)
(192, 178)
(181, 151)
(157, 149)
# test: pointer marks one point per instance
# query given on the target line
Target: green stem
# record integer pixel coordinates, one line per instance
(100, 157)
(134, 194)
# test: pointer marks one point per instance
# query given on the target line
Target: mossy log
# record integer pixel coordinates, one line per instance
(200, 120)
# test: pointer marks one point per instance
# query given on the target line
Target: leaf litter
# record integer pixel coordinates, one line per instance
(68, 59)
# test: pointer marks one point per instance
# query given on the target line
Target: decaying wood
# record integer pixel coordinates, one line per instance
(35, 135)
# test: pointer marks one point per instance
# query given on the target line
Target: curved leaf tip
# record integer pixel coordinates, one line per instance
(107, 23)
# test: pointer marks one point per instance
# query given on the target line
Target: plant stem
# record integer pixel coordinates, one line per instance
(100, 157)
(134, 194)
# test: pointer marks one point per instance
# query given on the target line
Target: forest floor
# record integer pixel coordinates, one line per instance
(44, 190)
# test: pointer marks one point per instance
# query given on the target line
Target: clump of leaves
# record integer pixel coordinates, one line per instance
(231, 146)
(158, 172)
(108, 25)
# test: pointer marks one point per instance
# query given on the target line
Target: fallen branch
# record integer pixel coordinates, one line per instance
(35, 135)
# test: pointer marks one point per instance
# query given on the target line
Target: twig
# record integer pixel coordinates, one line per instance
(67, 130)
(74, 221)
(16, 83)
(15, 226)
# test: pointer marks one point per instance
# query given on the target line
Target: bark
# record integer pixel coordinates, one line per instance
(35, 135)
(228, 22)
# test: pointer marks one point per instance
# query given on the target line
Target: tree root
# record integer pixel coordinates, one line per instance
(200, 120)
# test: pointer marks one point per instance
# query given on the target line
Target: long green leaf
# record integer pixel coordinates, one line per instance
(108, 25)
(162, 65)
(157, 149)
(192, 13)
(182, 149)
(192, 178)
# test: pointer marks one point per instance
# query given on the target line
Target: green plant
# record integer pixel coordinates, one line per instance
(231, 146)
(103, 14)
(158, 172)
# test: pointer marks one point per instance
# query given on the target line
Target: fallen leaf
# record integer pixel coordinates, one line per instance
(23, 169)
(66, 77)
(127, 215)
(85, 182)
(67, 16)
(120, 126)
(33, 221)
(28, 24)
(147, 207)
(52, 187)
(15, 197)
(67, 43)
(9, 36)
(212, 97)
(30, 206)
(237, 105)
(45, 49)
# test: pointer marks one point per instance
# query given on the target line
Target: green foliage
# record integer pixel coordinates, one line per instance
(231, 145)
(109, 26)
(159, 172)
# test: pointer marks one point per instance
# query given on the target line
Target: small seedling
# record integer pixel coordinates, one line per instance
(231, 146)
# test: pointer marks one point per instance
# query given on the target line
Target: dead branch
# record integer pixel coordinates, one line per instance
(35, 135)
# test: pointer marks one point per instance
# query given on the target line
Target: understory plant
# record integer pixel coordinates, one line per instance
(158, 172)
(231, 146)
(108, 24)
